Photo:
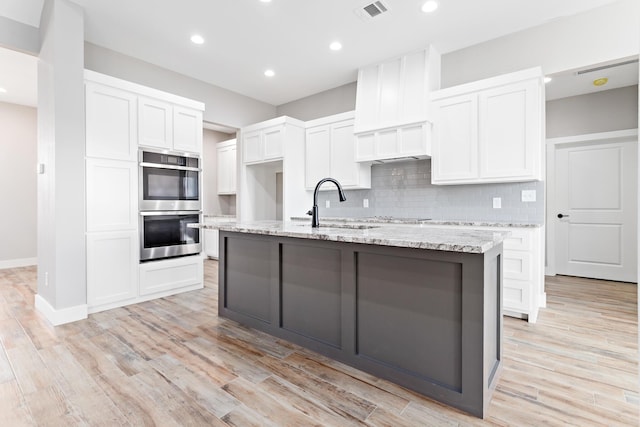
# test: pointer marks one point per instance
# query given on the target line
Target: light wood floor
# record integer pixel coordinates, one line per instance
(172, 361)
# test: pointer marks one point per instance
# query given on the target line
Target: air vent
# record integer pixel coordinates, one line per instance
(605, 67)
(372, 10)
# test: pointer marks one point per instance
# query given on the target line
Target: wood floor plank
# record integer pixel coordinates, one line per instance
(383, 398)
(270, 408)
(13, 407)
(217, 401)
(305, 402)
(338, 399)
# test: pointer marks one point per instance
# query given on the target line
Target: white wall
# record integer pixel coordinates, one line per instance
(609, 110)
(602, 34)
(222, 106)
(61, 219)
(18, 158)
(212, 203)
(327, 103)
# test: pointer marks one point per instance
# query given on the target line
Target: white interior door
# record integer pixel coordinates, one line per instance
(596, 223)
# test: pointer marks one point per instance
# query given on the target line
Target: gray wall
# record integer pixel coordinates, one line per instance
(327, 103)
(602, 34)
(222, 106)
(404, 189)
(18, 36)
(18, 158)
(609, 110)
(212, 203)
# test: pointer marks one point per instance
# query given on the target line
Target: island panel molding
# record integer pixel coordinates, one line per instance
(429, 320)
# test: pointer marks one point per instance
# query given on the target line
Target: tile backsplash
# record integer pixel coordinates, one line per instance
(404, 190)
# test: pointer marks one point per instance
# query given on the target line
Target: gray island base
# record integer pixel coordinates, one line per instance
(428, 320)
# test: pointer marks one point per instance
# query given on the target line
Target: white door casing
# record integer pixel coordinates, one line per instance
(596, 194)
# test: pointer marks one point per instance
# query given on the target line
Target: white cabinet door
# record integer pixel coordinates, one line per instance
(211, 243)
(343, 163)
(510, 131)
(155, 123)
(112, 267)
(110, 123)
(455, 144)
(112, 201)
(227, 170)
(252, 147)
(187, 130)
(318, 148)
(273, 140)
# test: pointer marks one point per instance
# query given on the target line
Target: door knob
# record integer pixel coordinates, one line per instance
(562, 216)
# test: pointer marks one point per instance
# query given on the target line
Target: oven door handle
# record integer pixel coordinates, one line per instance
(161, 166)
(157, 213)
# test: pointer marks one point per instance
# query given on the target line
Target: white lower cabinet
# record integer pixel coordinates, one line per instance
(211, 243)
(523, 273)
(170, 275)
(112, 269)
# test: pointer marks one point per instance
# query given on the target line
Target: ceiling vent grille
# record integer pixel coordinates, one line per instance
(605, 67)
(372, 10)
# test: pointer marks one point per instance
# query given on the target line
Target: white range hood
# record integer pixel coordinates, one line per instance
(392, 117)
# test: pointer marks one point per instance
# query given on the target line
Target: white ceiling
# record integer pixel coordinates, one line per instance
(244, 37)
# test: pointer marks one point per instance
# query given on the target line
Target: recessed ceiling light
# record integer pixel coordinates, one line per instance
(265, 1)
(600, 82)
(197, 39)
(335, 46)
(429, 6)
(269, 73)
(3, 90)
(547, 79)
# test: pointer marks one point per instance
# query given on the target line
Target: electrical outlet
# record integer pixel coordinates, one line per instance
(365, 203)
(327, 204)
(528, 195)
(497, 202)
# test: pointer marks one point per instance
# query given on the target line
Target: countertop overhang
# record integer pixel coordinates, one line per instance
(417, 236)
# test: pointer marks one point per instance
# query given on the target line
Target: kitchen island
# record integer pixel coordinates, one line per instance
(419, 306)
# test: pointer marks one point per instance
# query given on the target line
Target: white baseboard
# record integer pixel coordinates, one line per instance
(13, 263)
(60, 317)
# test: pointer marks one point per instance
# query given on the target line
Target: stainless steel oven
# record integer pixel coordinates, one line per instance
(166, 234)
(169, 181)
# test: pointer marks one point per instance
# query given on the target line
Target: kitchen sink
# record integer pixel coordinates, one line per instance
(348, 226)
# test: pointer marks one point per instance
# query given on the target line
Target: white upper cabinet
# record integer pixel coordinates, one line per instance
(490, 130)
(264, 142)
(264, 145)
(155, 123)
(187, 129)
(392, 106)
(110, 123)
(167, 126)
(330, 152)
(227, 167)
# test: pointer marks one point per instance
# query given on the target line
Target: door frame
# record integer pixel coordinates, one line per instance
(627, 135)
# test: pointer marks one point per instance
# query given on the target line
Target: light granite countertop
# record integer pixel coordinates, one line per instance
(425, 221)
(417, 236)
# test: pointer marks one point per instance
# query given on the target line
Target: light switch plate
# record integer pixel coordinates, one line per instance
(528, 195)
(327, 204)
(497, 202)
(365, 203)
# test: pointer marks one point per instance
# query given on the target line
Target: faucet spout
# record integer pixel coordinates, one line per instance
(315, 219)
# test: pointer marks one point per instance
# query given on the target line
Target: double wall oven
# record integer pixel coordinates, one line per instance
(169, 200)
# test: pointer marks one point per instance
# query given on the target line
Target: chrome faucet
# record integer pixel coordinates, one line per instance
(315, 220)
